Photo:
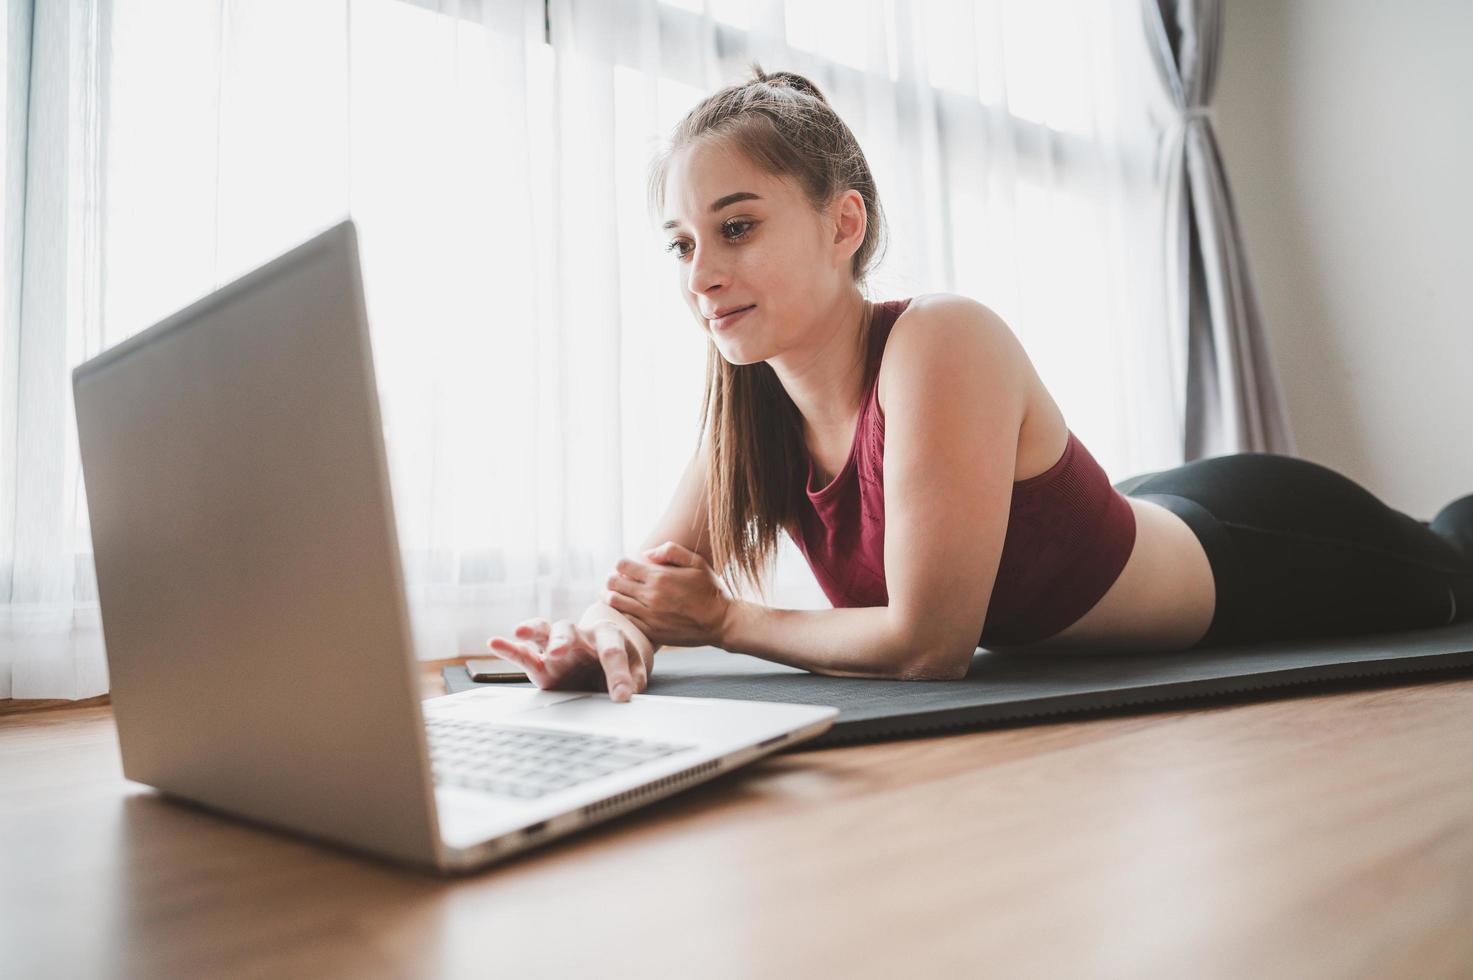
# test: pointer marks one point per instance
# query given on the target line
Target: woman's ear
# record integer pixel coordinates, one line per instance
(849, 219)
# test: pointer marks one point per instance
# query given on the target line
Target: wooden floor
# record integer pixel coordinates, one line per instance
(1323, 836)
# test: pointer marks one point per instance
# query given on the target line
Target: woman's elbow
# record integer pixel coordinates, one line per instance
(929, 657)
(929, 673)
(949, 668)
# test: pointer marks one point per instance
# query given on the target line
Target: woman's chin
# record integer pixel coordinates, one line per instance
(735, 354)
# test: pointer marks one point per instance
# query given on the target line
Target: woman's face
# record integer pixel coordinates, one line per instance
(741, 238)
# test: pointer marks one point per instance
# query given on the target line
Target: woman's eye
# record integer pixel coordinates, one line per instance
(732, 230)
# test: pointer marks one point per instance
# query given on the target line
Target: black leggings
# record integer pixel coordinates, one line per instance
(1298, 550)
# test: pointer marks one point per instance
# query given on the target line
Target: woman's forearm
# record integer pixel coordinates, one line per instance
(855, 642)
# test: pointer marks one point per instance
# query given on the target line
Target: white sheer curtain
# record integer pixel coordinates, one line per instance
(539, 375)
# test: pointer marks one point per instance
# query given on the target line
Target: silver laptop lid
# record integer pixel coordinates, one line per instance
(247, 560)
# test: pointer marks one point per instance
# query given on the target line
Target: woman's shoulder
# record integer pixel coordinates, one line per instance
(950, 307)
(947, 325)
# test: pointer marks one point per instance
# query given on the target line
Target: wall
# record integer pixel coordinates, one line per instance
(1347, 136)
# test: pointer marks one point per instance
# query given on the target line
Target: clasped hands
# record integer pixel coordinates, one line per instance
(672, 598)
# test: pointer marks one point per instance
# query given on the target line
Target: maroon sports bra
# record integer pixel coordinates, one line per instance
(1070, 532)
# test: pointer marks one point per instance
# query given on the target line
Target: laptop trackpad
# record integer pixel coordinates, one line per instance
(497, 702)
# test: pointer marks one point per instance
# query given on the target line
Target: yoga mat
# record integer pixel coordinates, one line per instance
(1009, 687)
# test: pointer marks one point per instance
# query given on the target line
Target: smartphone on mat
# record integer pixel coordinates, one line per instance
(494, 669)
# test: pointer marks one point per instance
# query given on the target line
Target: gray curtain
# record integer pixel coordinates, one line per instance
(1234, 402)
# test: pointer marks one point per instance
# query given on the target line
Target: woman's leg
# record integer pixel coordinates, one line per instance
(1299, 550)
(1454, 523)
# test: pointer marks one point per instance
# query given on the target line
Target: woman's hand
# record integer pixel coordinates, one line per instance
(676, 599)
(565, 656)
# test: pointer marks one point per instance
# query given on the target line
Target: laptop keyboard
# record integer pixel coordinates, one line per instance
(529, 762)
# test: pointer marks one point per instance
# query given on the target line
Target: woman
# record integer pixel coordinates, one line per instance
(947, 505)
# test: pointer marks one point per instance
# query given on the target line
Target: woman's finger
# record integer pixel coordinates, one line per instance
(639, 623)
(626, 604)
(624, 584)
(534, 628)
(615, 662)
(610, 636)
(525, 647)
(637, 671)
(518, 654)
(631, 569)
(571, 650)
(672, 553)
(508, 649)
(561, 636)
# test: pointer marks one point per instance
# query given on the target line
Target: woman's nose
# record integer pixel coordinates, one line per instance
(705, 275)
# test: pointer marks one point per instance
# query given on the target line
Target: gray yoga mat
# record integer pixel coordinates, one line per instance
(1011, 687)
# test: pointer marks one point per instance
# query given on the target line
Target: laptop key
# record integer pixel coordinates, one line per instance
(523, 763)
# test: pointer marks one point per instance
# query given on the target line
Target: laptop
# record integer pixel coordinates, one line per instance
(253, 609)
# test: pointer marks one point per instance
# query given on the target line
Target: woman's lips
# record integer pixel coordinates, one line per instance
(722, 323)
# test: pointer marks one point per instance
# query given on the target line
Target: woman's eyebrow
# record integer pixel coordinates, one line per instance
(720, 203)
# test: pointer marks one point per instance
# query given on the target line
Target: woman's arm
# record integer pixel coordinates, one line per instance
(678, 600)
(953, 393)
(856, 642)
(952, 387)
